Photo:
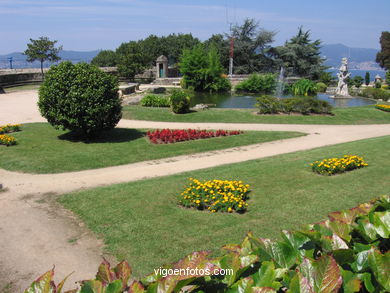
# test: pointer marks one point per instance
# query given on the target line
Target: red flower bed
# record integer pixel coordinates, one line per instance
(176, 135)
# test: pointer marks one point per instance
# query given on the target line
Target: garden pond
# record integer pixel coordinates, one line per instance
(227, 100)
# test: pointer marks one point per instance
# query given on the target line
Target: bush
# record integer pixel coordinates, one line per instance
(378, 85)
(348, 252)
(321, 87)
(338, 165)
(375, 93)
(303, 105)
(304, 87)
(180, 102)
(155, 101)
(80, 98)
(268, 105)
(215, 195)
(258, 83)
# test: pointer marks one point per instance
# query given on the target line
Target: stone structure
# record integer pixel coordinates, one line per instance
(378, 78)
(342, 86)
(162, 67)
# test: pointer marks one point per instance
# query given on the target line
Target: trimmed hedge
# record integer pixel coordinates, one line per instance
(155, 101)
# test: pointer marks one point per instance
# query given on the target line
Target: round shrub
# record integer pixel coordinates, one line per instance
(81, 98)
(321, 87)
(180, 102)
(304, 87)
(258, 83)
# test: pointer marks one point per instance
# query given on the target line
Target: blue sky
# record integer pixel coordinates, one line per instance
(104, 24)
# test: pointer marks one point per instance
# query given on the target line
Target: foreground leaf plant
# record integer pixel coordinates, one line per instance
(348, 252)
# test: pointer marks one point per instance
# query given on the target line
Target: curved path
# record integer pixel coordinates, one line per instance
(37, 233)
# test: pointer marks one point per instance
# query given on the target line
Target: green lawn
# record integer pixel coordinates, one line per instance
(18, 88)
(351, 115)
(42, 149)
(142, 223)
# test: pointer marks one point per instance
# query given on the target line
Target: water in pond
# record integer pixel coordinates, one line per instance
(247, 102)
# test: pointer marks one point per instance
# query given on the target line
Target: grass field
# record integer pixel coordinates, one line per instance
(42, 149)
(142, 223)
(26, 87)
(351, 115)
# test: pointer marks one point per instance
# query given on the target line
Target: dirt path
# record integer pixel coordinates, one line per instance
(36, 233)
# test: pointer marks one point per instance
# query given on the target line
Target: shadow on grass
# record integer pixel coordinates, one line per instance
(115, 135)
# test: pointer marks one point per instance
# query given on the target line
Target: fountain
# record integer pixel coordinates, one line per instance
(343, 75)
(280, 84)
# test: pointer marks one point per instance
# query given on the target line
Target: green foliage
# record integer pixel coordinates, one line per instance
(367, 78)
(131, 59)
(385, 108)
(327, 78)
(388, 77)
(80, 98)
(321, 87)
(258, 83)
(180, 102)
(348, 252)
(357, 81)
(305, 106)
(42, 49)
(251, 47)
(105, 58)
(378, 85)
(301, 56)
(383, 56)
(304, 87)
(202, 70)
(375, 93)
(155, 101)
(268, 105)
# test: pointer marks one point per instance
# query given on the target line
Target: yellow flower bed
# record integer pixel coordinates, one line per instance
(215, 195)
(7, 140)
(338, 165)
(383, 107)
(9, 128)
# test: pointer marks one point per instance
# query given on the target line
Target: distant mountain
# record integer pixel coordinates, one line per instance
(359, 58)
(20, 61)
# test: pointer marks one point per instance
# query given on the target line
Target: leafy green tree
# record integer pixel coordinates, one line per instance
(42, 50)
(131, 59)
(367, 78)
(202, 70)
(105, 58)
(326, 78)
(383, 56)
(388, 77)
(357, 81)
(251, 47)
(222, 45)
(300, 56)
(175, 44)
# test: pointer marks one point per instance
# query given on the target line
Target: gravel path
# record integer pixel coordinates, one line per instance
(37, 233)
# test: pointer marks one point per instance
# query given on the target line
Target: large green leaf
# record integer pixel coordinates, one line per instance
(299, 284)
(323, 275)
(266, 276)
(242, 286)
(351, 282)
(136, 287)
(381, 222)
(296, 240)
(380, 266)
(45, 284)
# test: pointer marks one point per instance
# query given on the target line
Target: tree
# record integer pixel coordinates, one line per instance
(357, 81)
(251, 47)
(105, 58)
(367, 78)
(383, 56)
(300, 56)
(42, 50)
(131, 59)
(202, 70)
(222, 45)
(388, 77)
(81, 98)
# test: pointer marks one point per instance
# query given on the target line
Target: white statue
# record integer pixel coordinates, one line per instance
(342, 87)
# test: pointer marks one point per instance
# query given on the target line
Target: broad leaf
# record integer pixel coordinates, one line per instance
(380, 266)
(266, 276)
(241, 286)
(351, 282)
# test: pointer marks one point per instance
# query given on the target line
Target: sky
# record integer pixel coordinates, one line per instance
(85, 25)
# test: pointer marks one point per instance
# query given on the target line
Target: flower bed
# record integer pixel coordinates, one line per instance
(338, 165)
(383, 107)
(8, 128)
(7, 140)
(171, 136)
(215, 195)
